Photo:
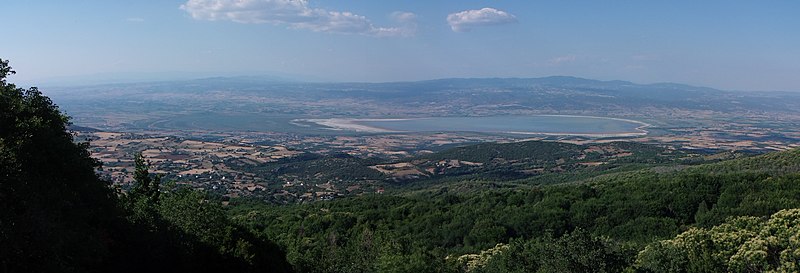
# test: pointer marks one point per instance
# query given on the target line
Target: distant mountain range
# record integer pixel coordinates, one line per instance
(269, 97)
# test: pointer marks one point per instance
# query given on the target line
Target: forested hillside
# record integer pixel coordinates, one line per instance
(566, 208)
(598, 225)
(525, 163)
(56, 215)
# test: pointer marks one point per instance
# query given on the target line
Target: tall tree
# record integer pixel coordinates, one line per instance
(146, 185)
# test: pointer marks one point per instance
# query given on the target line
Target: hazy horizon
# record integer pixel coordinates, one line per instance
(730, 45)
(142, 78)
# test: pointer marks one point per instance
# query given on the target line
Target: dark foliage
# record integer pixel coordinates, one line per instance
(54, 211)
(56, 215)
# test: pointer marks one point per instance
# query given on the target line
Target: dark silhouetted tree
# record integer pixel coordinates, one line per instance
(54, 210)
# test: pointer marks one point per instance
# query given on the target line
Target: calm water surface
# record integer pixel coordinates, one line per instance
(518, 124)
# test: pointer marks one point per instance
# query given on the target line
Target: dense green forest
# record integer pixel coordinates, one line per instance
(657, 211)
(599, 224)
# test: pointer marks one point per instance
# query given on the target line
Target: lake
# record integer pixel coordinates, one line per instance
(544, 124)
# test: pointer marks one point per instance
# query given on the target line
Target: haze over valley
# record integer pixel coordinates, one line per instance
(399, 136)
(220, 134)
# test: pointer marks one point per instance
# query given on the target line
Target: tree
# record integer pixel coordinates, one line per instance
(741, 244)
(55, 212)
(145, 185)
(184, 230)
(577, 251)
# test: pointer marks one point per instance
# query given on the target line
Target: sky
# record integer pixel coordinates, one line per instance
(733, 45)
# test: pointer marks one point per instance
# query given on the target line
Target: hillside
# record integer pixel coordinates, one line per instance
(308, 176)
(534, 159)
(57, 215)
(630, 210)
(481, 136)
(531, 206)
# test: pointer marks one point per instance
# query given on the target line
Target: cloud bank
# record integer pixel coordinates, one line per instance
(466, 20)
(296, 14)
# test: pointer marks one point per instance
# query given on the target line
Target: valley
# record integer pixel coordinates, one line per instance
(245, 137)
(399, 136)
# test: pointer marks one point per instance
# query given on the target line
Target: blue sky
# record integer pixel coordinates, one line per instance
(738, 45)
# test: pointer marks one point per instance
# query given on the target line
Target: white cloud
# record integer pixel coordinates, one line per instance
(466, 20)
(295, 14)
(134, 19)
(404, 17)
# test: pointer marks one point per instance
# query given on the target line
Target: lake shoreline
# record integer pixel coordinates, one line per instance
(356, 125)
